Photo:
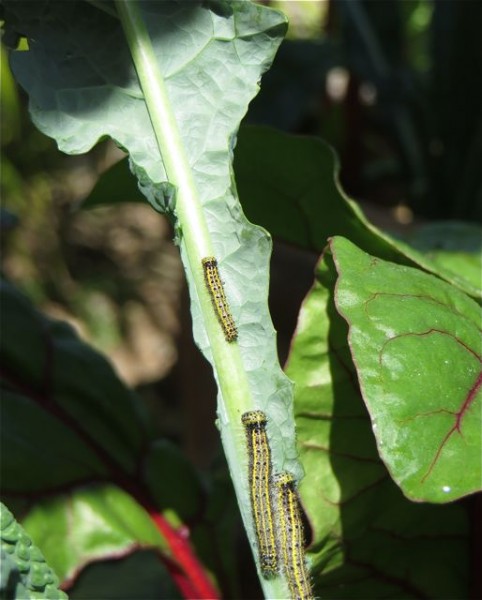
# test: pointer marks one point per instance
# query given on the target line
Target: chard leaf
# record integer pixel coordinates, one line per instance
(368, 539)
(455, 248)
(290, 185)
(415, 341)
(68, 528)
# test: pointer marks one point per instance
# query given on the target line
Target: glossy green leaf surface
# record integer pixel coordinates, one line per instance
(367, 539)
(416, 343)
(88, 524)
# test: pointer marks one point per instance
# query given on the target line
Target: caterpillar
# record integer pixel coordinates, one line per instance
(218, 297)
(291, 536)
(260, 471)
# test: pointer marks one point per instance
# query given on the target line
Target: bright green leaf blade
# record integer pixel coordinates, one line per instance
(24, 572)
(368, 540)
(88, 524)
(416, 342)
(289, 184)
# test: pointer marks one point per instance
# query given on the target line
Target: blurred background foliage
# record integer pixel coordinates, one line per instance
(393, 86)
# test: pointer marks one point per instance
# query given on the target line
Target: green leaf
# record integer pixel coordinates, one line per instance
(309, 212)
(24, 572)
(68, 399)
(83, 85)
(172, 481)
(88, 524)
(114, 186)
(66, 418)
(135, 577)
(221, 524)
(455, 249)
(416, 342)
(367, 539)
(289, 184)
(9, 102)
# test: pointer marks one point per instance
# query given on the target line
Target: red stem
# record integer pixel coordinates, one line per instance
(188, 573)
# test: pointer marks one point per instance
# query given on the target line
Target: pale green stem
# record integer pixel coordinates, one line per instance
(195, 236)
(235, 397)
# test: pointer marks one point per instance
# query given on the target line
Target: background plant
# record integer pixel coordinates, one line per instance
(355, 510)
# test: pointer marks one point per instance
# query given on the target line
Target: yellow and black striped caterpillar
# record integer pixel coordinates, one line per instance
(260, 472)
(218, 297)
(290, 536)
